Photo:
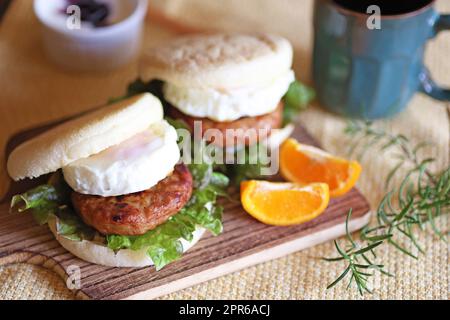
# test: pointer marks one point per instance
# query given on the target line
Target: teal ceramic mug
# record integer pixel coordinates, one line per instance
(368, 66)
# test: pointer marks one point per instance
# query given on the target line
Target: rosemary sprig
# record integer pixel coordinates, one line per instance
(365, 137)
(357, 258)
(421, 197)
(418, 204)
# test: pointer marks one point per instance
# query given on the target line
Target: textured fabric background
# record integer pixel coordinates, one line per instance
(33, 91)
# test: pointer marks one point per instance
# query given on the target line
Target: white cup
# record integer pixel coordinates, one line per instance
(89, 48)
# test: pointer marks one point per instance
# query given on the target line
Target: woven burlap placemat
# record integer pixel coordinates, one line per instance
(33, 91)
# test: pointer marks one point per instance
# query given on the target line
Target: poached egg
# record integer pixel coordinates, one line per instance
(224, 105)
(135, 165)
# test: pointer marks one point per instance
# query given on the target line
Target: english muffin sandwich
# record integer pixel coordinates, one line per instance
(224, 81)
(117, 194)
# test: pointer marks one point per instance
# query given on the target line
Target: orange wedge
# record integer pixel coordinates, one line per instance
(284, 204)
(306, 164)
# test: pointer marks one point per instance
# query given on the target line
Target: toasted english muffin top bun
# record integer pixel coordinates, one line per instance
(84, 136)
(218, 60)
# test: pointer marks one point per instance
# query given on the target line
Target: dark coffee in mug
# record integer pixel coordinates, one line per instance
(388, 7)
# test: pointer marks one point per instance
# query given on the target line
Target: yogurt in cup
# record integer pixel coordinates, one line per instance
(90, 48)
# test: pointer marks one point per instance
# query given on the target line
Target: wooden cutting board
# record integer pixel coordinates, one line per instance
(244, 242)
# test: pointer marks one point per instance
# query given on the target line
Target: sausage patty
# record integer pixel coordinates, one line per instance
(267, 122)
(136, 213)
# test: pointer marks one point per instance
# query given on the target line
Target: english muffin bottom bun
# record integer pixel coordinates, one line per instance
(120, 188)
(98, 253)
(224, 80)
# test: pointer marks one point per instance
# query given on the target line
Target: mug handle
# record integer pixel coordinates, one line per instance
(429, 87)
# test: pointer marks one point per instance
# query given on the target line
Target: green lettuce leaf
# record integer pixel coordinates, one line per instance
(69, 225)
(49, 201)
(42, 202)
(297, 99)
(138, 86)
(177, 124)
(251, 168)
